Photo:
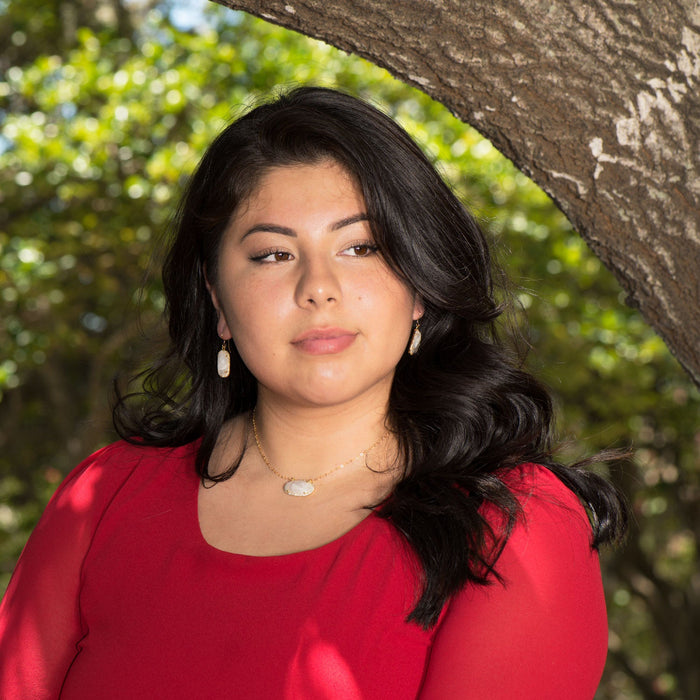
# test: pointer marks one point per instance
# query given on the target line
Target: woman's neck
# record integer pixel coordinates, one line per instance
(308, 441)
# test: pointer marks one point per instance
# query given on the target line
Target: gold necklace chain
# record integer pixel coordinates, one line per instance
(294, 486)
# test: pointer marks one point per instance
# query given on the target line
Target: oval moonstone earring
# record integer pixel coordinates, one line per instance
(415, 340)
(223, 361)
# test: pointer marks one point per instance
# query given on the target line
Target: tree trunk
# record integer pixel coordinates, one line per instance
(598, 102)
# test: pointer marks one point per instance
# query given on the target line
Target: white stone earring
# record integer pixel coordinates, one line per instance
(223, 360)
(415, 340)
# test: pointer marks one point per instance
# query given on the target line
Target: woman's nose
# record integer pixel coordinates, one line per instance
(318, 284)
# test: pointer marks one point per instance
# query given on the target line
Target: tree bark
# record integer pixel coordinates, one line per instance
(598, 102)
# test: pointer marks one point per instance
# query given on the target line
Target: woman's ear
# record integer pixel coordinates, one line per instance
(418, 308)
(221, 325)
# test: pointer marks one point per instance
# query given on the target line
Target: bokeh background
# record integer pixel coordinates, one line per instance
(106, 107)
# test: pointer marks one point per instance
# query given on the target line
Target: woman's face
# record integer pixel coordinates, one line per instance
(314, 311)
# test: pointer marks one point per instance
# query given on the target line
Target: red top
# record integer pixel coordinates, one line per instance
(118, 595)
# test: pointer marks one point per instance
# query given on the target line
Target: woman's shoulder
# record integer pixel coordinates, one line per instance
(123, 453)
(542, 495)
(551, 532)
(101, 475)
(530, 478)
(539, 629)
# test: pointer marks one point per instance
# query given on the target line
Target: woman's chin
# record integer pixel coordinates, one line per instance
(334, 392)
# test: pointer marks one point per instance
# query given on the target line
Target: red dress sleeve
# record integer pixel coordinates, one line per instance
(40, 623)
(542, 633)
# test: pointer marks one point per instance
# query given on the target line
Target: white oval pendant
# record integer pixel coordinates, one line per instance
(298, 487)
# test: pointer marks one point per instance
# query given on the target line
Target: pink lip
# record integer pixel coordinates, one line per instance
(324, 341)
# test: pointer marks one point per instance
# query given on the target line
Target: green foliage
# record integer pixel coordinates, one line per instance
(99, 130)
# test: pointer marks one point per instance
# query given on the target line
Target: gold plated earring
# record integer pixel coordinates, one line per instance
(223, 360)
(416, 337)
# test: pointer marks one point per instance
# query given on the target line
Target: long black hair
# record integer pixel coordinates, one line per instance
(462, 408)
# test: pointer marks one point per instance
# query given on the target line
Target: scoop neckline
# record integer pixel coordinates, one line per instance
(303, 553)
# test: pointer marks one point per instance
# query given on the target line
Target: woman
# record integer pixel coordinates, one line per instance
(330, 488)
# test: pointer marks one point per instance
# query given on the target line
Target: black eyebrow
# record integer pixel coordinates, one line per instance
(271, 228)
(349, 221)
(286, 231)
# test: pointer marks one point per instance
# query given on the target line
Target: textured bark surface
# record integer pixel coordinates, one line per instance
(597, 101)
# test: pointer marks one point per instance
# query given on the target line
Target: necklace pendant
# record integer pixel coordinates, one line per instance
(298, 487)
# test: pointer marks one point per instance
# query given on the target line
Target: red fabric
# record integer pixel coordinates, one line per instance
(541, 636)
(117, 595)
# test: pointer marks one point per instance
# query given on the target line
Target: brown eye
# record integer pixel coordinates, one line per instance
(361, 250)
(272, 256)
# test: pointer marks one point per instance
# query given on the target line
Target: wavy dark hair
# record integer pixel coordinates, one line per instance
(462, 408)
